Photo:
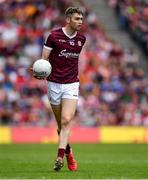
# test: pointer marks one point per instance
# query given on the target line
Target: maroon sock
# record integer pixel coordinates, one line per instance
(67, 151)
(61, 153)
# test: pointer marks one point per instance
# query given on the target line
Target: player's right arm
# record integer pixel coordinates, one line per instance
(47, 48)
(46, 53)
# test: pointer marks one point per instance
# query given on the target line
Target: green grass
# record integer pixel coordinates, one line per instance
(96, 161)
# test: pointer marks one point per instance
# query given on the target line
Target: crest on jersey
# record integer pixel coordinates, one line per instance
(79, 43)
(72, 43)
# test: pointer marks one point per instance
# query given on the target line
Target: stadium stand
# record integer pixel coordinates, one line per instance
(132, 16)
(114, 89)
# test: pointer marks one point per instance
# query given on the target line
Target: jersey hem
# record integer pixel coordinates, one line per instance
(64, 82)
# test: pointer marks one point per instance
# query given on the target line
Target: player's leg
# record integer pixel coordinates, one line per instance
(68, 112)
(57, 113)
(54, 96)
(69, 104)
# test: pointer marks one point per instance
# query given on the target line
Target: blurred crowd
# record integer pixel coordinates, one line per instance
(114, 89)
(133, 16)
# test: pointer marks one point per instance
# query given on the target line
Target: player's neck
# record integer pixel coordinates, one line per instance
(69, 31)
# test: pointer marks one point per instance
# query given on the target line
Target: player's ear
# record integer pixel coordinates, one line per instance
(68, 20)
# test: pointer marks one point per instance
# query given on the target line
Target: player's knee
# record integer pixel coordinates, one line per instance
(66, 120)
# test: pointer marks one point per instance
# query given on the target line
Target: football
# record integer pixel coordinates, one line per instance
(42, 68)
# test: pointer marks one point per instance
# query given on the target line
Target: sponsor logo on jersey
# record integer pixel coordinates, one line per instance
(68, 54)
(62, 40)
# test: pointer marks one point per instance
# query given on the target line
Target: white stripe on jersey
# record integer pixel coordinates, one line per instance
(49, 48)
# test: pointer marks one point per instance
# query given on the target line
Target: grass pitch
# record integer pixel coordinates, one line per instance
(96, 161)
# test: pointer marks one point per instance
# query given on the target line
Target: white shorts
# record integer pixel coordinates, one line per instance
(56, 92)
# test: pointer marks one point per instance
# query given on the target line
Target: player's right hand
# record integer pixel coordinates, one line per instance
(35, 76)
(39, 77)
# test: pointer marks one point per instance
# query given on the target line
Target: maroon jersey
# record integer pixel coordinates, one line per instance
(64, 55)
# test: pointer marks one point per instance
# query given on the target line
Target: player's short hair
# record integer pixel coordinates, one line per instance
(71, 10)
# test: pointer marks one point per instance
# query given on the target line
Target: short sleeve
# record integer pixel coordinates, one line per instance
(49, 42)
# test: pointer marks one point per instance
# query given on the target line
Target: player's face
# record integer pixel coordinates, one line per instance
(75, 21)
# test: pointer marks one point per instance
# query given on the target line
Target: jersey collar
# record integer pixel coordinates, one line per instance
(68, 35)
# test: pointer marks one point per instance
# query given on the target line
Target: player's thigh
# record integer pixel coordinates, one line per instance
(57, 112)
(54, 93)
(68, 108)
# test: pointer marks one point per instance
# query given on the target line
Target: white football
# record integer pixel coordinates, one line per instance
(42, 68)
